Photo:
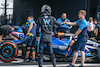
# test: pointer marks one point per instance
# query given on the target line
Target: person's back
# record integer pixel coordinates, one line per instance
(46, 23)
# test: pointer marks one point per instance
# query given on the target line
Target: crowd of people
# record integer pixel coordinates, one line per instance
(46, 23)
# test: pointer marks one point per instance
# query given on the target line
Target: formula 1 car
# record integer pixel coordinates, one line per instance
(9, 49)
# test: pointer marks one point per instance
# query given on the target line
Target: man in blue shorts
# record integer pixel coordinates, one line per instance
(81, 33)
(31, 33)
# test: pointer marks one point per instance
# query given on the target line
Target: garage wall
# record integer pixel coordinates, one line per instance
(25, 8)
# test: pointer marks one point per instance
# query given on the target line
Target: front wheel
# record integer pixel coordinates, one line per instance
(8, 51)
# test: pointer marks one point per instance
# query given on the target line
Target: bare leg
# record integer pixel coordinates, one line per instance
(33, 53)
(27, 52)
(82, 57)
(1, 38)
(74, 57)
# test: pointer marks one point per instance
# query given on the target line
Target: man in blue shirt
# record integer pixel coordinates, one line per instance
(62, 19)
(31, 33)
(81, 33)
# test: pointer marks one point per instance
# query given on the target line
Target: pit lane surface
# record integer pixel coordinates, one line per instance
(21, 63)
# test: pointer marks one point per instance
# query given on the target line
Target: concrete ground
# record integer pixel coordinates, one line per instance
(22, 63)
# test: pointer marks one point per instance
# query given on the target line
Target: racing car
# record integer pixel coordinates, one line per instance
(9, 48)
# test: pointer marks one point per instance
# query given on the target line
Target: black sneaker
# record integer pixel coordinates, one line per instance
(32, 60)
(26, 59)
(71, 65)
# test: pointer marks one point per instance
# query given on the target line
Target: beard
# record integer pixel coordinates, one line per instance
(63, 20)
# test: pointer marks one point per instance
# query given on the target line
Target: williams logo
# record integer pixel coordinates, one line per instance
(46, 21)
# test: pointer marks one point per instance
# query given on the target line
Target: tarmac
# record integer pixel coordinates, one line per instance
(22, 63)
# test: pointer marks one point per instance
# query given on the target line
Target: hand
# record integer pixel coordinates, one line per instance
(12, 28)
(27, 34)
(72, 42)
(37, 38)
(60, 34)
(65, 22)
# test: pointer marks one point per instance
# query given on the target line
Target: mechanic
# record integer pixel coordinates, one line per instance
(90, 27)
(62, 19)
(46, 23)
(97, 30)
(4, 31)
(31, 33)
(81, 33)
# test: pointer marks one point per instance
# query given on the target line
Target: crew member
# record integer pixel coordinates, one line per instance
(97, 30)
(90, 27)
(4, 31)
(62, 19)
(31, 33)
(46, 23)
(81, 33)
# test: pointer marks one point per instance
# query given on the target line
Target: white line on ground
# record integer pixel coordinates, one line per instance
(59, 65)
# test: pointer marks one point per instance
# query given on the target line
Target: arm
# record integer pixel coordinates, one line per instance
(90, 28)
(96, 32)
(37, 30)
(71, 23)
(56, 22)
(30, 28)
(77, 33)
(87, 28)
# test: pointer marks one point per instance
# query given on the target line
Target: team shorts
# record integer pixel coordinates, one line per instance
(30, 41)
(80, 44)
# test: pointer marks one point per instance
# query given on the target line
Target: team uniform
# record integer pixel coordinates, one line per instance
(60, 20)
(59, 29)
(81, 42)
(46, 24)
(31, 39)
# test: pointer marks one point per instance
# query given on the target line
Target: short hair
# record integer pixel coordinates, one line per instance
(91, 18)
(95, 20)
(83, 12)
(64, 12)
(31, 17)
